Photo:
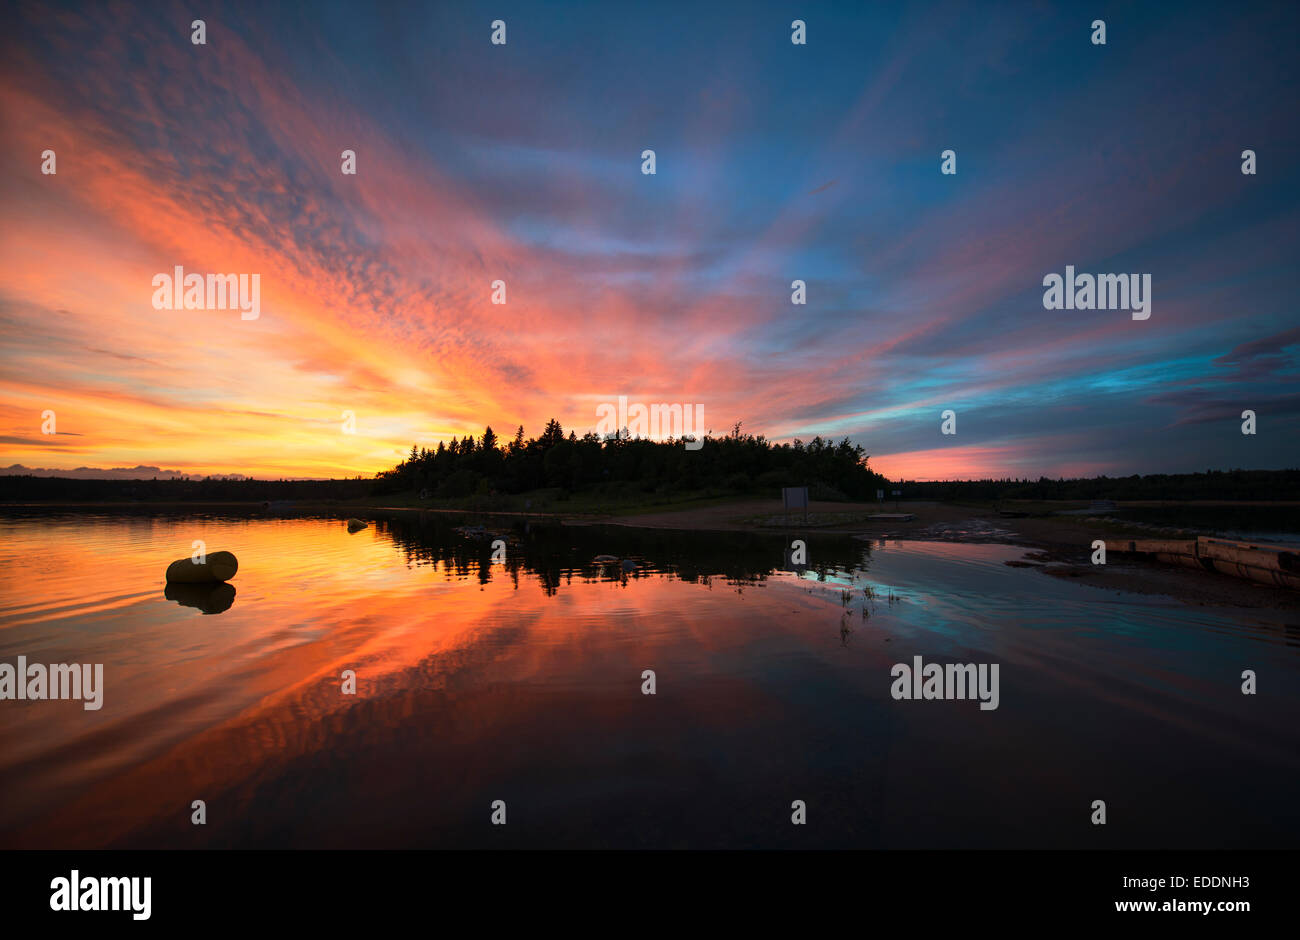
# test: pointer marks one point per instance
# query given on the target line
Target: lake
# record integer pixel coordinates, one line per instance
(522, 680)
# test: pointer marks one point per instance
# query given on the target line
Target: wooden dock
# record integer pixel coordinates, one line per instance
(1268, 564)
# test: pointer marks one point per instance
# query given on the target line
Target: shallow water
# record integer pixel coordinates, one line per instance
(1277, 524)
(522, 682)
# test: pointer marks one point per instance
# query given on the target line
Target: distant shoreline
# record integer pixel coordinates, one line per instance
(1058, 545)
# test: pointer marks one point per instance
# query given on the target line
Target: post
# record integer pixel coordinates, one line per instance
(792, 497)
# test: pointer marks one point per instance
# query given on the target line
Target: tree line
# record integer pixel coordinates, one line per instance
(1210, 485)
(738, 462)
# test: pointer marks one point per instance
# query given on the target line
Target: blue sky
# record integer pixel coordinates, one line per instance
(774, 162)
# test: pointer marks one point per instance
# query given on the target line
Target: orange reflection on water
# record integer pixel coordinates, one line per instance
(200, 705)
(523, 683)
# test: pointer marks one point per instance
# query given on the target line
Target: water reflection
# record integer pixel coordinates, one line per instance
(558, 555)
(520, 679)
(208, 598)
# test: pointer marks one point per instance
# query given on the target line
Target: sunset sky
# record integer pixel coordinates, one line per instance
(522, 162)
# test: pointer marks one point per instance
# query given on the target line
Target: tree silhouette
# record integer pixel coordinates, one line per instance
(738, 462)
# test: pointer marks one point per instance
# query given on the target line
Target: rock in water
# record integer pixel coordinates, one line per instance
(356, 525)
(217, 566)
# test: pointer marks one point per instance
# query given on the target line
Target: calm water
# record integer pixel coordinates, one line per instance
(522, 682)
(1275, 524)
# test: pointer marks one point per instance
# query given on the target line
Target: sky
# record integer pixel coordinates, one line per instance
(522, 162)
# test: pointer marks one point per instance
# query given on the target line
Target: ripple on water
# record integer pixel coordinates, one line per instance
(531, 671)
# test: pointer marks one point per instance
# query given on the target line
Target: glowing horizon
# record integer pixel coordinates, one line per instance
(522, 163)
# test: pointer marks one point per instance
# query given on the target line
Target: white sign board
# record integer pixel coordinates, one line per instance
(795, 497)
(880, 494)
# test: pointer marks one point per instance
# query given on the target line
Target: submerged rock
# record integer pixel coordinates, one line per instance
(356, 525)
(217, 566)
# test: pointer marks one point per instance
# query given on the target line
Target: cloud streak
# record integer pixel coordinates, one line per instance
(521, 163)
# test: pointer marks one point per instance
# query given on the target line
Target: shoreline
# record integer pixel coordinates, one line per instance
(1056, 545)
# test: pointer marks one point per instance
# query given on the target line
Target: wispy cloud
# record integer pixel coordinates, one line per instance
(521, 163)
